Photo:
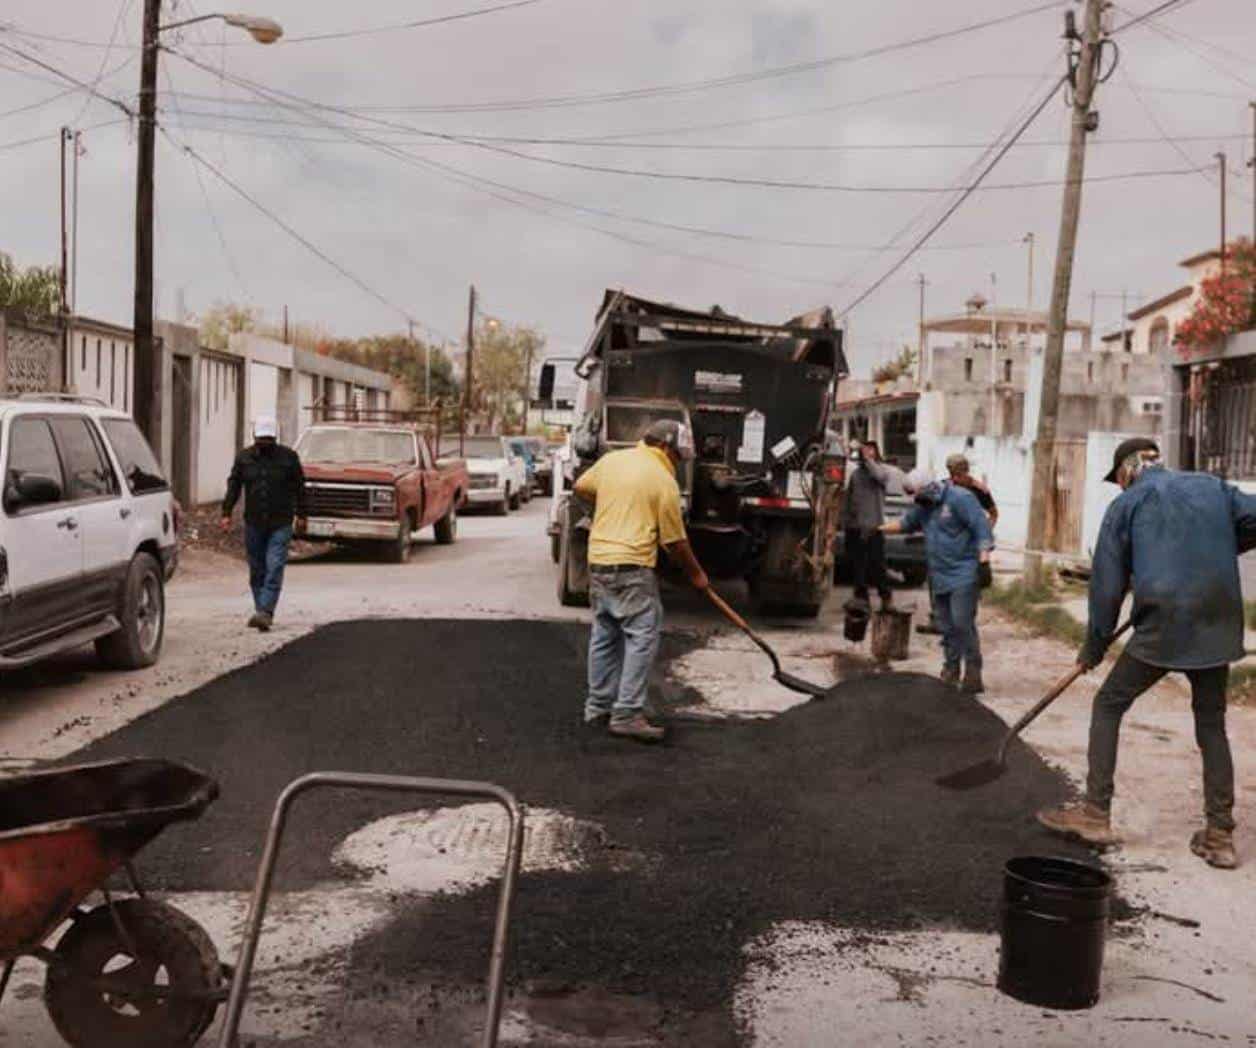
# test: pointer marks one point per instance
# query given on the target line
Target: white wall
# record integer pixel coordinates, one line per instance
(102, 366)
(263, 392)
(305, 402)
(1005, 465)
(218, 409)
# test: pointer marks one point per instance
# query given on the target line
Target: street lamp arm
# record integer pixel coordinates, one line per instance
(263, 30)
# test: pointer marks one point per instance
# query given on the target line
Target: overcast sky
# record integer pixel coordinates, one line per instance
(417, 235)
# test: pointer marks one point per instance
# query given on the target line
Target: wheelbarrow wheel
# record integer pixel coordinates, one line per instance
(166, 949)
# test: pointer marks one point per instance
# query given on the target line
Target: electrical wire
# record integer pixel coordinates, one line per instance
(1173, 36)
(1159, 9)
(457, 16)
(48, 136)
(40, 104)
(118, 103)
(955, 206)
(123, 8)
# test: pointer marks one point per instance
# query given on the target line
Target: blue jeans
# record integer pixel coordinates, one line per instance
(627, 626)
(267, 549)
(957, 619)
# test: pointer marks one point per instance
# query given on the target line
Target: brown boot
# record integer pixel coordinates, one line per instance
(1083, 821)
(638, 729)
(1215, 847)
(971, 684)
(949, 676)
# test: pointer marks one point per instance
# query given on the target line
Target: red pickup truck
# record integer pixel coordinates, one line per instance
(377, 484)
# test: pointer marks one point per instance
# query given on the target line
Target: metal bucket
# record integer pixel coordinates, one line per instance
(855, 625)
(1054, 919)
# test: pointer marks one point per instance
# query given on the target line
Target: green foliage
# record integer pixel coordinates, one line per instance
(1036, 608)
(33, 290)
(401, 357)
(501, 373)
(224, 319)
(903, 364)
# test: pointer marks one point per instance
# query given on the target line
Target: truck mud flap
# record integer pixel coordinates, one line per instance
(573, 560)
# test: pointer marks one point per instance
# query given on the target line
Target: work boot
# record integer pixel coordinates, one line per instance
(971, 684)
(1083, 821)
(1215, 847)
(949, 676)
(264, 620)
(887, 600)
(598, 723)
(930, 628)
(638, 729)
(255, 623)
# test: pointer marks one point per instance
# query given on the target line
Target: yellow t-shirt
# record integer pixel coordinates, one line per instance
(638, 506)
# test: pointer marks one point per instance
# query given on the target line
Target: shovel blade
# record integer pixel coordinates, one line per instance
(975, 775)
(803, 687)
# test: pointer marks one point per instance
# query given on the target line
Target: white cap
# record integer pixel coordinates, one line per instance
(265, 426)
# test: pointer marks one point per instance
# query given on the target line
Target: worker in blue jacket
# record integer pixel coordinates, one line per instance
(958, 542)
(1175, 537)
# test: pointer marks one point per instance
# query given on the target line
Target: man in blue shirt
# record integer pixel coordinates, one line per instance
(958, 542)
(1175, 537)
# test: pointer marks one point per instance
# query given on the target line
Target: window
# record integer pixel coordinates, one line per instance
(1007, 370)
(1158, 340)
(126, 367)
(113, 372)
(139, 464)
(98, 355)
(341, 444)
(31, 450)
(83, 347)
(968, 369)
(88, 473)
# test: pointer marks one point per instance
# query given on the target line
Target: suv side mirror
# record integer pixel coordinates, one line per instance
(32, 489)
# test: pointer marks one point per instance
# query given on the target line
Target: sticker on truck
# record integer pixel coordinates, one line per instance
(716, 382)
(753, 429)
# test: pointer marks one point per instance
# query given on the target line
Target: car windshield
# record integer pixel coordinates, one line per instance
(357, 445)
(483, 448)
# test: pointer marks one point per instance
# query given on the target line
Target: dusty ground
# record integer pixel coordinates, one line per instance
(1167, 980)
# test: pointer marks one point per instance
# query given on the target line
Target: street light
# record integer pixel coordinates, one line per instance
(144, 373)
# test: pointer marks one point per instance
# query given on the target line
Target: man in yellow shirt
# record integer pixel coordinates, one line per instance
(637, 510)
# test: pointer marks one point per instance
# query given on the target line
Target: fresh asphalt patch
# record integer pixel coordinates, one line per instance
(827, 813)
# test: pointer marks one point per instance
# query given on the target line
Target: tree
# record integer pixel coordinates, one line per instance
(501, 374)
(224, 319)
(903, 364)
(1226, 303)
(34, 291)
(403, 358)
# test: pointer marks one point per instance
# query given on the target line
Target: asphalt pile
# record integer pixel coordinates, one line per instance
(827, 813)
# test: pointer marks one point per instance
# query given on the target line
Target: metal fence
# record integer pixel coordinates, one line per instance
(1221, 419)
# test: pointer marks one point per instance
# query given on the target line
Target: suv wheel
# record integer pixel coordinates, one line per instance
(143, 615)
(503, 507)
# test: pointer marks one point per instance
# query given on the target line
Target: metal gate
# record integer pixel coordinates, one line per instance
(1220, 409)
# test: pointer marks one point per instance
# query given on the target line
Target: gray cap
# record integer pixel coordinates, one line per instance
(956, 463)
(671, 434)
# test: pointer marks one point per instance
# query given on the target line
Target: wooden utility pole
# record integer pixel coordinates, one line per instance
(468, 401)
(1252, 164)
(78, 151)
(145, 365)
(920, 337)
(1084, 121)
(1029, 295)
(1220, 158)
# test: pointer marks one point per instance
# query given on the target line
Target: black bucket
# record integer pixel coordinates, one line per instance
(1054, 918)
(855, 625)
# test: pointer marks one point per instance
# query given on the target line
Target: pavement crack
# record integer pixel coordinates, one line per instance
(1185, 986)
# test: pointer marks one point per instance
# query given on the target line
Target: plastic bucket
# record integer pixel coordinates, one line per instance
(855, 625)
(1054, 919)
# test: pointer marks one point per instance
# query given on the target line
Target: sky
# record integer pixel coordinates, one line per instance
(367, 180)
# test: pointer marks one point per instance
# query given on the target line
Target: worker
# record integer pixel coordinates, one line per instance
(637, 509)
(273, 483)
(862, 516)
(958, 542)
(1175, 537)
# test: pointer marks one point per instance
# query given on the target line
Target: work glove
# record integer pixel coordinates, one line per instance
(1087, 659)
(985, 574)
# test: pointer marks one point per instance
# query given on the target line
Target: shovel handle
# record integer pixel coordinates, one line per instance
(1056, 691)
(729, 613)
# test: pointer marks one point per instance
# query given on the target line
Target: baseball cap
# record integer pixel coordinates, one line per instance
(265, 426)
(957, 463)
(1127, 448)
(669, 433)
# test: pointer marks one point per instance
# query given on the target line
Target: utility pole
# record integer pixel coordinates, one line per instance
(920, 336)
(1084, 121)
(468, 401)
(994, 353)
(78, 151)
(1220, 158)
(145, 367)
(1125, 309)
(1029, 295)
(1252, 164)
(63, 305)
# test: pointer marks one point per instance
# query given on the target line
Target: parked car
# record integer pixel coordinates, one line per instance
(378, 485)
(498, 475)
(904, 554)
(526, 448)
(88, 536)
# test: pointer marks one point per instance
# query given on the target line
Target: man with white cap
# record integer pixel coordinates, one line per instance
(637, 509)
(273, 483)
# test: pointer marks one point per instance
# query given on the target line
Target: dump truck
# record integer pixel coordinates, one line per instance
(763, 493)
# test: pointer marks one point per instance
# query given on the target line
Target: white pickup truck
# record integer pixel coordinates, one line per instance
(499, 477)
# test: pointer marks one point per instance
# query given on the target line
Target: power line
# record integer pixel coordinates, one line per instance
(91, 90)
(457, 16)
(40, 104)
(955, 206)
(1185, 42)
(48, 136)
(1159, 9)
(123, 8)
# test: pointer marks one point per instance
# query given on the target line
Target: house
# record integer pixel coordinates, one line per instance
(1154, 323)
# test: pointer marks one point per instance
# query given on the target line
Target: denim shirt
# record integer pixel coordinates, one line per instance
(1175, 537)
(956, 531)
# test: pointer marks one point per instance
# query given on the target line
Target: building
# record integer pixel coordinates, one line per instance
(1154, 323)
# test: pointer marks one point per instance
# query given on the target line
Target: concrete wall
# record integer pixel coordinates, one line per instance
(263, 395)
(219, 411)
(102, 364)
(30, 355)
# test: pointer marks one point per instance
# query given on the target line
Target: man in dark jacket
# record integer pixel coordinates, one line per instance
(958, 542)
(273, 483)
(862, 516)
(1176, 538)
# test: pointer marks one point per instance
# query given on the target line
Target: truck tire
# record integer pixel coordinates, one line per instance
(447, 527)
(776, 589)
(398, 550)
(570, 595)
(556, 547)
(515, 500)
(142, 612)
(503, 507)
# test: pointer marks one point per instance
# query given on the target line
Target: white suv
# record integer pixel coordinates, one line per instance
(88, 533)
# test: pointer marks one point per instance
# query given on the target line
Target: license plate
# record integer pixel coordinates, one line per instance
(319, 529)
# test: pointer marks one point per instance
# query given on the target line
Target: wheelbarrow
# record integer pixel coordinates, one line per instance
(130, 971)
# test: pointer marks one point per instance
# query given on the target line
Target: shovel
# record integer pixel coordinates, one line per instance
(988, 770)
(788, 680)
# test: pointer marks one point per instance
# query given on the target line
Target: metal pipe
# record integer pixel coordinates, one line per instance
(398, 783)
